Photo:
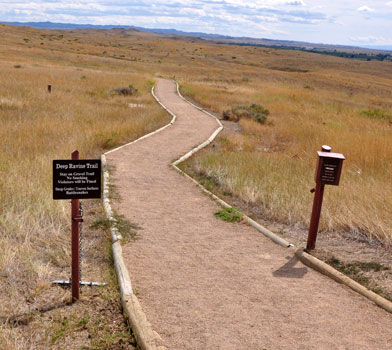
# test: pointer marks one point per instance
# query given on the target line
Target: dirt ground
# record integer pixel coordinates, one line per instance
(94, 322)
(208, 284)
(367, 261)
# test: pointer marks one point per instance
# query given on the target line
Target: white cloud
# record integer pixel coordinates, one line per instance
(295, 3)
(334, 21)
(271, 19)
(368, 39)
(365, 9)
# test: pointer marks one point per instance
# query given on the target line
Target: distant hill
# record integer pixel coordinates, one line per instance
(380, 47)
(51, 25)
(372, 52)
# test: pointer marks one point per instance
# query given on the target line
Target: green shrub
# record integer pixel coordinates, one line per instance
(254, 111)
(229, 214)
(126, 91)
(376, 113)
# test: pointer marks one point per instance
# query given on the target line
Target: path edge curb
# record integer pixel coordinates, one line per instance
(151, 133)
(275, 238)
(146, 337)
(301, 254)
(322, 267)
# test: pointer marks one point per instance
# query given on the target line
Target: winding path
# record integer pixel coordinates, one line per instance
(207, 284)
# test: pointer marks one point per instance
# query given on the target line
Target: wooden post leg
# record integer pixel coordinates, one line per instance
(75, 251)
(315, 219)
(75, 243)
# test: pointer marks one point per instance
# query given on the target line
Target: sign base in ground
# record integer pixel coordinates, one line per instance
(81, 283)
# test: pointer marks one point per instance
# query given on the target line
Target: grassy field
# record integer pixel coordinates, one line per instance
(82, 112)
(345, 104)
(313, 100)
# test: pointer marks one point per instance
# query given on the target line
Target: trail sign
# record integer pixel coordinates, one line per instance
(329, 168)
(76, 179)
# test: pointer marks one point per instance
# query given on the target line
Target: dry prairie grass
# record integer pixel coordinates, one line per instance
(79, 114)
(95, 322)
(83, 113)
(270, 165)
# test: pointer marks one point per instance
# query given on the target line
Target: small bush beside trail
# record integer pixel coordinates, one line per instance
(254, 111)
(126, 91)
(229, 214)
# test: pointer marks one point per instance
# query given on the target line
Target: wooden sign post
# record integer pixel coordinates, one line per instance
(76, 219)
(76, 179)
(329, 169)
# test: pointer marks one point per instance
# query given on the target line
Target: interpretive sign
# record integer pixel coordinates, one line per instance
(76, 179)
(329, 168)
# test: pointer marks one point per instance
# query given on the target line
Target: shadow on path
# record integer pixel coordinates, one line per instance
(289, 270)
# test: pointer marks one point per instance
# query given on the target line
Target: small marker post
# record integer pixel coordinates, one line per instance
(329, 169)
(49, 88)
(316, 210)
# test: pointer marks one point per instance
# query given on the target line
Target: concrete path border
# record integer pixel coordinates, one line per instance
(146, 337)
(302, 255)
(325, 269)
(250, 221)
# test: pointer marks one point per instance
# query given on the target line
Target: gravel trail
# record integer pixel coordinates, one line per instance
(208, 284)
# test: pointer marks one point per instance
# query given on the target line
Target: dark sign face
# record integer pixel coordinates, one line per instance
(77, 179)
(329, 171)
(329, 168)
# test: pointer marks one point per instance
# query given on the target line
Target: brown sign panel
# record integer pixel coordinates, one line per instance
(329, 168)
(76, 179)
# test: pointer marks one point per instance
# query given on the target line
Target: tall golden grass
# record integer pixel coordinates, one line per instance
(272, 166)
(268, 165)
(83, 113)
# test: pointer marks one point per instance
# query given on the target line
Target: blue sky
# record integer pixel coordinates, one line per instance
(350, 22)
